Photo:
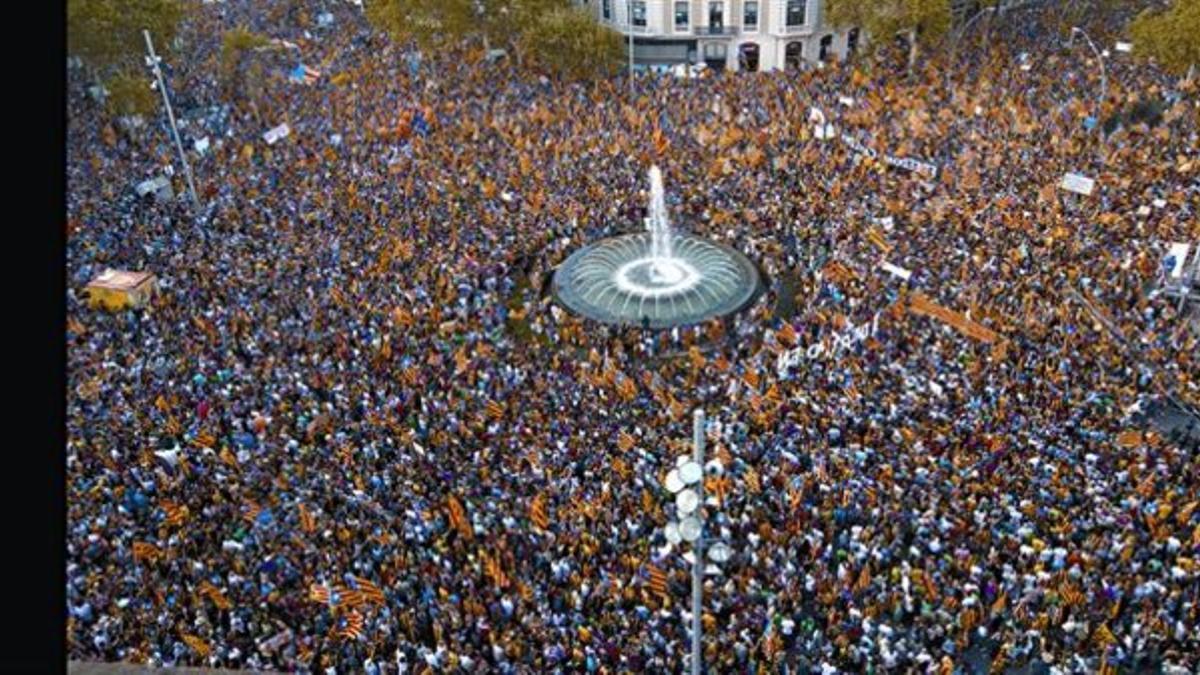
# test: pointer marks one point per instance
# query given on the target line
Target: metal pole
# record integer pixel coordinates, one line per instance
(629, 27)
(162, 86)
(698, 547)
(1103, 70)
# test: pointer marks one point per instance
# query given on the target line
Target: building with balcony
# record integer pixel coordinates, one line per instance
(726, 34)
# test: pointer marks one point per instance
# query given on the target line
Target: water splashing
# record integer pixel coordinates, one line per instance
(657, 278)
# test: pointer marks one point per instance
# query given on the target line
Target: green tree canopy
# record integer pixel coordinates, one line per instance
(1171, 37)
(921, 21)
(526, 27)
(129, 93)
(236, 45)
(107, 34)
(569, 42)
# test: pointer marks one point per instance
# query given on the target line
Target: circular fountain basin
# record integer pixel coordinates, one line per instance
(619, 281)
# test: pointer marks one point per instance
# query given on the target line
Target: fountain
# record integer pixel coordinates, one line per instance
(657, 278)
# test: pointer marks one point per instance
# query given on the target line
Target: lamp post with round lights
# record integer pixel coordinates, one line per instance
(686, 482)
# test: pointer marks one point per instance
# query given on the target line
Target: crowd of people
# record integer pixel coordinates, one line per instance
(352, 432)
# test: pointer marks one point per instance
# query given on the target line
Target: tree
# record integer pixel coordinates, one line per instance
(236, 44)
(1171, 37)
(516, 25)
(107, 34)
(129, 93)
(570, 43)
(920, 21)
(425, 22)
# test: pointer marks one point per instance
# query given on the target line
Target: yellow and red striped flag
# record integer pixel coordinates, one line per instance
(228, 457)
(199, 646)
(773, 394)
(495, 410)
(537, 513)
(411, 375)
(658, 581)
(1129, 439)
(876, 238)
(1104, 636)
(625, 441)
(627, 389)
(371, 592)
(213, 593)
(864, 579)
(1000, 603)
(751, 379)
(696, 357)
(319, 594)
(145, 551)
(204, 440)
(461, 361)
(307, 523)
(350, 626)
(458, 518)
(252, 511)
(176, 515)
(752, 481)
(492, 568)
(788, 335)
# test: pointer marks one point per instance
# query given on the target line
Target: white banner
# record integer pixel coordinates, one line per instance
(273, 135)
(896, 270)
(1180, 252)
(1073, 182)
(926, 168)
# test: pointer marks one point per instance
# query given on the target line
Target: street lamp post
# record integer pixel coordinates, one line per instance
(698, 545)
(629, 27)
(187, 169)
(686, 482)
(1100, 59)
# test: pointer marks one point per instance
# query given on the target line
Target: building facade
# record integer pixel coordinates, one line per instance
(726, 34)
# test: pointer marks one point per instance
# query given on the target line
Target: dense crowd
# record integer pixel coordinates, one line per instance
(327, 443)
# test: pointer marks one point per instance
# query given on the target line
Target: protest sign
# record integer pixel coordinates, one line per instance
(1073, 182)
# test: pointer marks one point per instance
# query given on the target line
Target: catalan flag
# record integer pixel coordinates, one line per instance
(458, 517)
(492, 568)
(628, 389)
(658, 581)
(495, 410)
(145, 551)
(751, 379)
(625, 441)
(1129, 439)
(350, 626)
(537, 513)
(251, 511)
(752, 481)
(215, 595)
(876, 238)
(1000, 603)
(228, 457)
(307, 523)
(864, 579)
(199, 646)
(696, 357)
(204, 440)
(773, 394)
(176, 515)
(1104, 636)
(320, 594)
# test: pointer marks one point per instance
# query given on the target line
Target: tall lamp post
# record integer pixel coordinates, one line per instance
(153, 61)
(686, 482)
(629, 27)
(1100, 59)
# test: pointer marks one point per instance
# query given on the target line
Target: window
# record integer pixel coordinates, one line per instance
(716, 15)
(639, 14)
(852, 41)
(750, 14)
(681, 15)
(826, 48)
(608, 10)
(795, 12)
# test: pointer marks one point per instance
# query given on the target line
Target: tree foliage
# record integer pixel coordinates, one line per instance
(1171, 37)
(129, 93)
(236, 45)
(920, 21)
(570, 43)
(107, 34)
(525, 27)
